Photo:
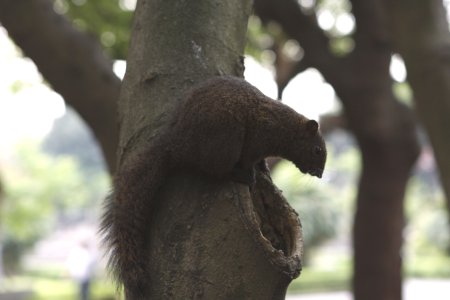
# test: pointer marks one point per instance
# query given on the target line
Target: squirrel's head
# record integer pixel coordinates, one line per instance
(313, 152)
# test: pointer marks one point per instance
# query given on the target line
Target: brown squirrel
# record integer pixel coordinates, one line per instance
(224, 127)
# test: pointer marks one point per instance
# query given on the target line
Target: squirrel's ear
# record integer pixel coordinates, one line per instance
(312, 127)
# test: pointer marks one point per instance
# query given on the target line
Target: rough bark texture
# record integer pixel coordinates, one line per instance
(71, 61)
(206, 240)
(384, 130)
(421, 35)
(214, 248)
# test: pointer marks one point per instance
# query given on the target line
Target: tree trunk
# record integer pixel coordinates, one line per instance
(383, 128)
(421, 35)
(206, 240)
(385, 132)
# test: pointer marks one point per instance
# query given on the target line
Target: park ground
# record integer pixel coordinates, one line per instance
(413, 289)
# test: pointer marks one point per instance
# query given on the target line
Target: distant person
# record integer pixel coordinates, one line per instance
(81, 262)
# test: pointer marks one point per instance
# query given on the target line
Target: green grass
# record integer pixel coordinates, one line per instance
(312, 280)
(319, 280)
(57, 288)
(429, 266)
(52, 283)
(53, 289)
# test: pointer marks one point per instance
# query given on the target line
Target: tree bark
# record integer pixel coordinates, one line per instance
(209, 239)
(72, 62)
(384, 130)
(421, 36)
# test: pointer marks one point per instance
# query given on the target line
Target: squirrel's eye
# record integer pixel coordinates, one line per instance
(317, 150)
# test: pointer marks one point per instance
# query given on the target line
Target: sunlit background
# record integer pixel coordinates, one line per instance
(55, 179)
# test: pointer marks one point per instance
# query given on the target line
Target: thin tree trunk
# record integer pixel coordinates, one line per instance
(205, 240)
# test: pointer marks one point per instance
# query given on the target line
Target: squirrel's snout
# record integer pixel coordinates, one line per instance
(317, 172)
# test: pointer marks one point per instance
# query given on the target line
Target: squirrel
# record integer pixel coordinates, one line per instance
(223, 129)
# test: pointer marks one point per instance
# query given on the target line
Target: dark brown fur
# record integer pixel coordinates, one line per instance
(223, 129)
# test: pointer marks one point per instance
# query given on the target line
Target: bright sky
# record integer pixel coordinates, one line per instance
(307, 92)
(28, 107)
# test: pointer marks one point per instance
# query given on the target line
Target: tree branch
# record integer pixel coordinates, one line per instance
(371, 30)
(71, 61)
(286, 69)
(303, 28)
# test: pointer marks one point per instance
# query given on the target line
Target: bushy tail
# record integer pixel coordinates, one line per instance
(126, 217)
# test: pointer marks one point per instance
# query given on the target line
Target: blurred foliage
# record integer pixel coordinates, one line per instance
(324, 206)
(261, 40)
(403, 92)
(336, 19)
(34, 188)
(312, 201)
(265, 41)
(335, 12)
(70, 136)
(312, 280)
(18, 86)
(42, 192)
(428, 266)
(427, 230)
(108, 20)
